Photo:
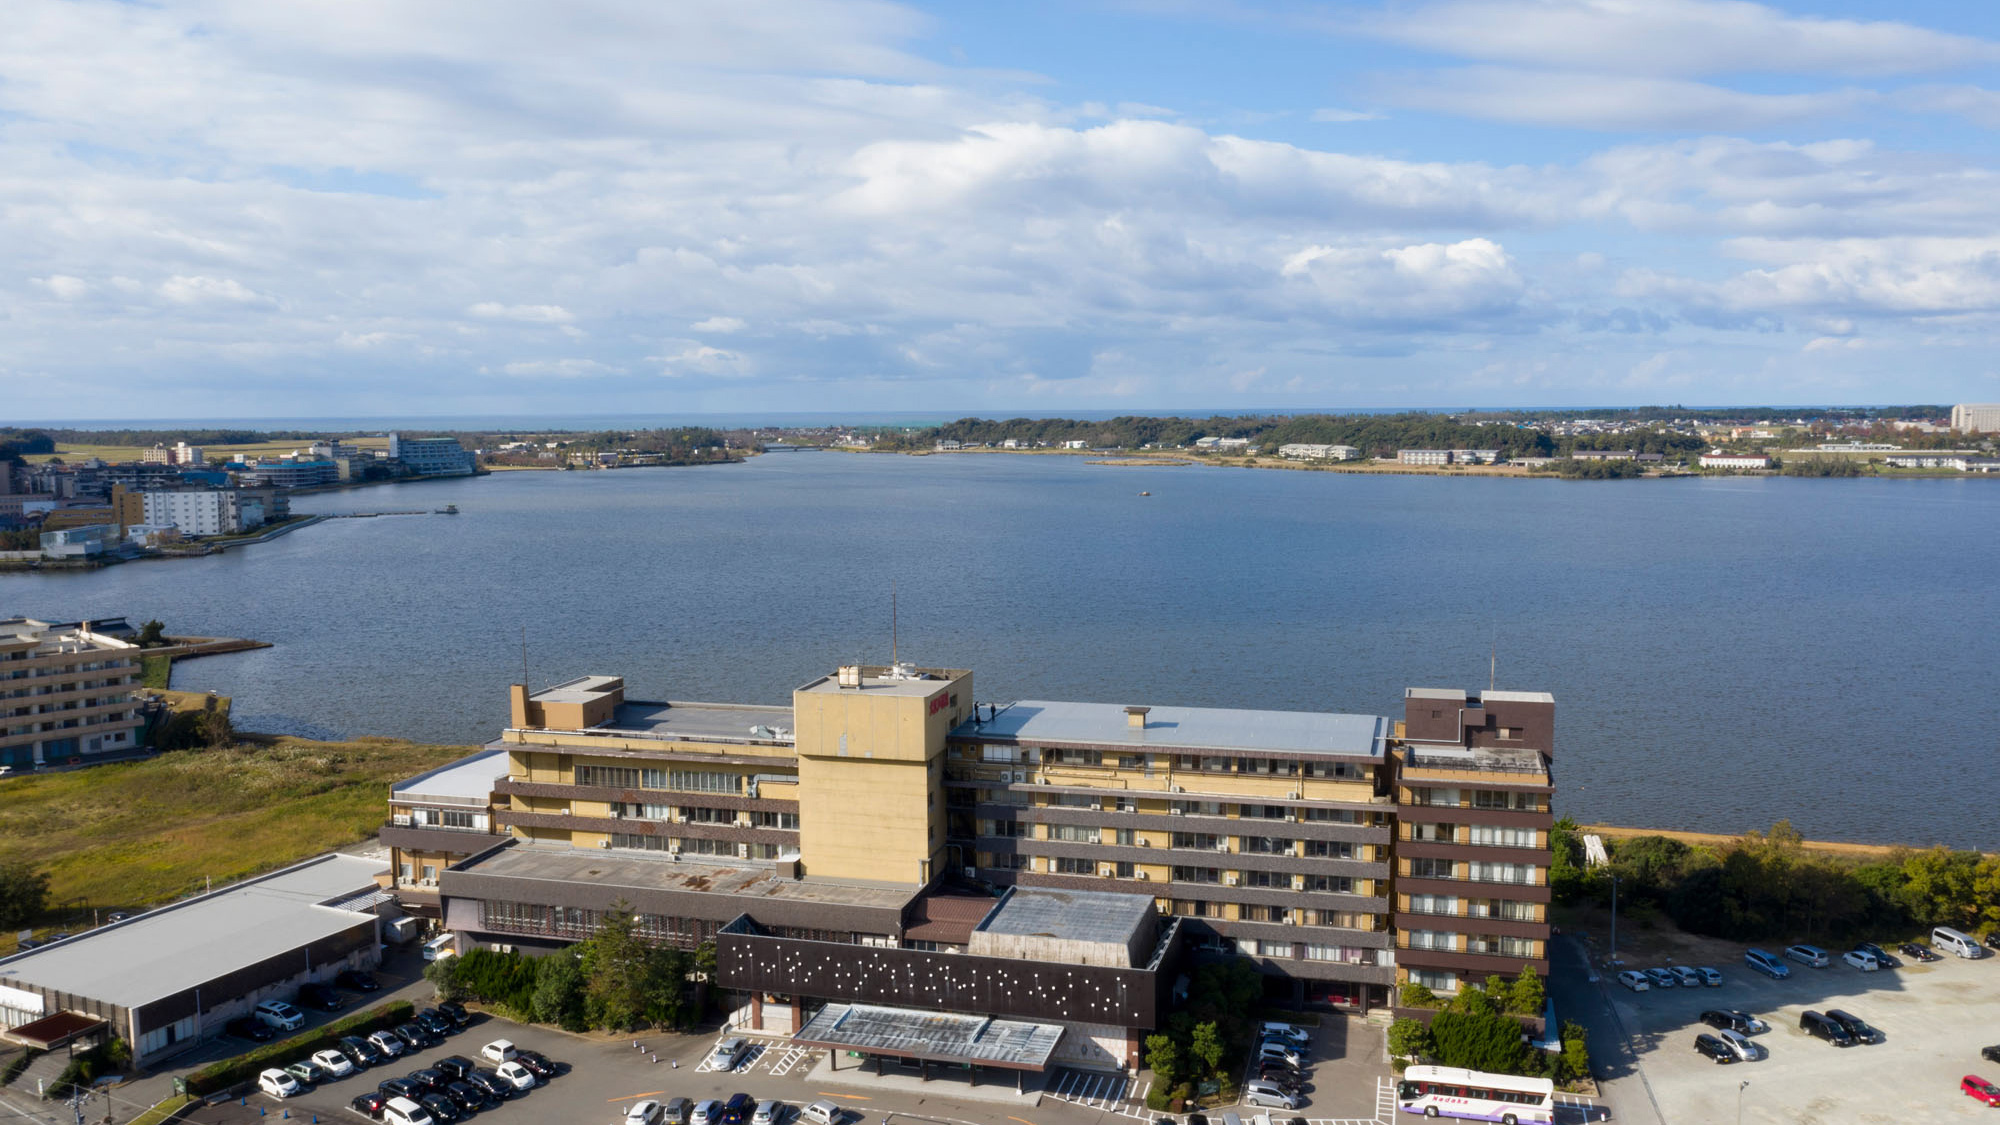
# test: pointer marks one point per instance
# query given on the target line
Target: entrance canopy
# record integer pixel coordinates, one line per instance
(932, 1036)
(50, 1032)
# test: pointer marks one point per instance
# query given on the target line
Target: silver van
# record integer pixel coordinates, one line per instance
(1269, 1094)
(1949, 940)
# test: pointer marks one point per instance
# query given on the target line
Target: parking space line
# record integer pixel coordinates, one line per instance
(636, 1097)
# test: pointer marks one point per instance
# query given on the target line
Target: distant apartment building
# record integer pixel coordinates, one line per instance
(180, 454)
(1963, 462)
(1423, 456)
(1298, 451)
(1221, 444)
(1720, 460)
(432, 457)
(203, 511)
(65, 693)
(293, 474)
(1976, 417)
(846, 851)
(83, 541)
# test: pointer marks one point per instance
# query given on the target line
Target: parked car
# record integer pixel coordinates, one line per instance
(500, 1050)
(1635, 980)
(818, 1113)
(727, 1053)
(1811, 955)
(537, 1063)
(676, 1112)
(440, 1107)
(1729, 1019)
(369, 1104)
(335, 1063)
(1860, 960)
(359, 1051)
(737, 1109)
(354, 980)
(1916, 952)
(1296, 1036)
(1973, 1086)
(646, 1112)
(1265, 1094)
(486, 1079)
(280, 1015)
(1766, 963)
(1880, 954)
(430, 1078)
(1661, 978)
(404, 1111)
(319, 996)
(467, 1097)
(455, 1066)
(278, 1084)
(1710, 977)
(707, 1112)
(1281, 1053)
(1741, 1044)
(455, 1012)
(389, 1043)
(308, 1073)
(1817, 1025)
(400, 1088)
(1956, 942)
(1280, 1076)
(1855, 1026)
(414, 1038)
(243, 1027)
(516, 1075)
(768, 1113)
(1714, 1048)
(435, 1022)
(1685, 976)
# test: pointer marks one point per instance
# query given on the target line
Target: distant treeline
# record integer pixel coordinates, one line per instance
(1376, 435)
(169, 437)
(1768, 887)
(14, 444)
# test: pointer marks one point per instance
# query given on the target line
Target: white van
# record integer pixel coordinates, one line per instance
(403, 1111)
(821, 1113)
(1951, 941)
(439, 947)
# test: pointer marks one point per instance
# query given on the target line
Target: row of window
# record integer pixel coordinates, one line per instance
(697, 814)
(694, 846)
(1187, 763)
(1508, 799)
(1444, 941)
(1518, 874)
(576, 924)
(1130, 804)
(1310, 951)
(688, 781)
(1473, 907)
(1189, 841)
(1481, 835)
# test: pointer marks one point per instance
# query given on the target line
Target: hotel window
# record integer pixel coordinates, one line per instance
(1330, 884)
(430, 873)
(1267, 879)
(640, 810)
(1132, 762)
(1077, 800)
(788, 821)
(1337, 816)
(1198, 808)
(1070, 865)
(1266, 845)
(403, 872)
(1260, 913)
(1197, 874)
(1076, 757)
(703, 781)
(1267, 812)
(1433, 904)
(1431, 939)
(1431, 869)
(1200, 841)
(1073, 833)
(1272, 766)
(1348, 770)
(1008, 861)
(1435, 980)
(1438, 798)
(1434, 833)
(1127, 804)
(1329, 849)
(1503, 837)
(1126, 838)
(1194, 909)
(1344, 919)
(1262, 948)
(1518, 873)
(1502, 799)
(1000, 754)
(1127, 870)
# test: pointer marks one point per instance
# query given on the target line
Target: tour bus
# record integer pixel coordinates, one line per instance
(1446, 1091)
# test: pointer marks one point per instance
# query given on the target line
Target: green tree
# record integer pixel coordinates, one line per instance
(24, 895)
(1471, 1001)
(152, 635)
(1569, 878)
(1164, 1056)
(444, 978)
(1415, 995)
(1526, 995)
(668, 972)
(1479, 1041)
(615, 963)
(1411, 1039)
(558, 997)
(1575, 1051)
(1939, 887)
(1207, 1048)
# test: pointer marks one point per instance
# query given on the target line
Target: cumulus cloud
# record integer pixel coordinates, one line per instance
(63, 286)
(1429, 282)
(719, 324)
(207, 290)
(1614, 102)
(526, 314)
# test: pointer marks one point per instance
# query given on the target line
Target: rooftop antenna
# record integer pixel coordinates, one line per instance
(524, 656)
(893, 661)
(1493, 665)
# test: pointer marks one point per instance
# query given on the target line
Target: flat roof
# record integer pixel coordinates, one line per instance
(1488, 759)
(167, 951)
(701, 720)
(470, 778)
(1433, 693)
(1519, 696)
(939, 1036)
(1094, 916)
(908, 680)
(583, 689)
(1191, 728)
(649, 871)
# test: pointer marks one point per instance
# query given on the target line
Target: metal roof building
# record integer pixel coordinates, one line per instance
(170, 976)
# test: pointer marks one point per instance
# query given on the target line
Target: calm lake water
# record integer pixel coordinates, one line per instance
(1723, 652)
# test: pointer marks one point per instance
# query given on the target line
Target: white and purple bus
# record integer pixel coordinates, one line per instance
(1445, 1091)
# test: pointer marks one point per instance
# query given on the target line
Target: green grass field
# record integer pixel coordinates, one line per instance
(144, 832)
(116, 453)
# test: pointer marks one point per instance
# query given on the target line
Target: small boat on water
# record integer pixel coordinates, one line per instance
(1145, 494)
(448, 510)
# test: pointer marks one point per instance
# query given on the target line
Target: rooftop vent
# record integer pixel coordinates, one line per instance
(848, 676)
(1135, 717)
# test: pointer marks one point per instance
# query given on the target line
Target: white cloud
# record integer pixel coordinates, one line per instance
(719, 324)
(1427, 282)
(1329, 115)
(572, 368)
(63, 286)
(526, 314)
(204, 290)
(1613, 102)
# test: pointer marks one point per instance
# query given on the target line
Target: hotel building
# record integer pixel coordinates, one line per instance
(887, 844)
(65, 694)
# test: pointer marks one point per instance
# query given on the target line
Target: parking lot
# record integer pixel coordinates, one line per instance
(1934, 1018)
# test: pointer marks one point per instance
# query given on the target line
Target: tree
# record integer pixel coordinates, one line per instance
(1479, 1041)
(1206, 1048)
(615, 971)
(1526, 995)
(1569, 878)
(214, 728)
(1415, 995)
(1410, 1039)
(443, 975)
(1939, 886)
(151, 635)
(1472, 1001)
(1575, 1051)
(24, 894)
(1165, 1059)
(558, 995)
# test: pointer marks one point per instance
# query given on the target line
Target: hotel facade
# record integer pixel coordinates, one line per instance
(889, 842)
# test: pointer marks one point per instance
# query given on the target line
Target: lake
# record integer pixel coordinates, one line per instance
(1723, 652)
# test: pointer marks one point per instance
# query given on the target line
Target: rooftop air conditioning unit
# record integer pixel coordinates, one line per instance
(604, 843)
(1107, 872)
(1229, 878)
(1222, 845)
(1175, 812)
(1144, 876)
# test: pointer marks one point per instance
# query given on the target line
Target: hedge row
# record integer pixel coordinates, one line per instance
(228, 1072)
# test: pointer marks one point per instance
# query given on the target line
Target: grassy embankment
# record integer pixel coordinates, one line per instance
(144, 832)
(72, 453)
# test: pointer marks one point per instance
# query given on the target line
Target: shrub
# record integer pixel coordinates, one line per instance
(1479, 1041)
(85, 1069)
(19, 1064)
(222, 1075)
(1419, 996)
(1410, 1038)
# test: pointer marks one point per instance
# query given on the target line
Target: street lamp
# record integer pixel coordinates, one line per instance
(1614, 919)
(1739, 1100)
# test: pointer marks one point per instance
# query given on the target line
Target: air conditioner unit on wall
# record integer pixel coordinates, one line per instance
(1229, 878)
(1175, 812)
(1107, 872)
(1143, 876)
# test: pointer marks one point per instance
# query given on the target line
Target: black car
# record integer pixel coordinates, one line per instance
(1916, 952)
(455, 1012)
(485, 1078)
(1729, 1019)
(433, 1081)
(1197, 1119)
(1855, 1026)
(370, 1104)
(1990, 1054)
(400, 1088)
(415, 1038)
(1714, 1048)
(430, 1020)
(354, 980)
(455, 1066)
(537, 1063)
(738, 1109)
(1289, 1083)
(1880, 954)
(359, 1051)
(441, 1107)
(467, 1097)
(319, 996)
(1820, 1026)
(246, 1028)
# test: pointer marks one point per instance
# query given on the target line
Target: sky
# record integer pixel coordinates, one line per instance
(234, 208)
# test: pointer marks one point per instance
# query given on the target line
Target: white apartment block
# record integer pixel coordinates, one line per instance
(198, 512)
(65, 693)
(1976, 417)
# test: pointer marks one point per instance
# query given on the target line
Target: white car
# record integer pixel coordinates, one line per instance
(278, 1014)
(278, 1084)
(1861, 961)
(706, 1113)
(387, 1043)
(1661, 978)
(1710, 977)
(500, 1050)
(645, 1113)
(768, 1113)
(1739, 1043)
(1634, 980)
(821, 1113)
(1688, 978)
(726, 1054)
(516, 1075)
(334, 1063)
(1809, 955)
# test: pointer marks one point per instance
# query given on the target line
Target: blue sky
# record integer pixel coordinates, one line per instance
(355, 207)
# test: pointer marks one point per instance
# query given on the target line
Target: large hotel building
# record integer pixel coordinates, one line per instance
(889, 845)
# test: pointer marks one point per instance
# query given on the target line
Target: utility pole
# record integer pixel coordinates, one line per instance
(1614, 919)
(1739, 1100)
